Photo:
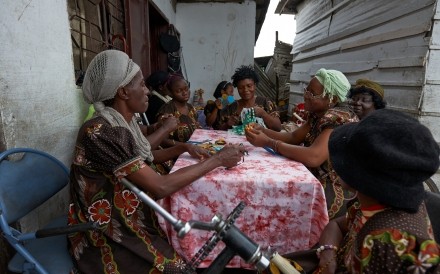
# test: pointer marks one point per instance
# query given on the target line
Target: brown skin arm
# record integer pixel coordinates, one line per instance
(312, 156)
(157, 137)
(272, 122)
(232, 121)
(158, 132)
(295, 138)
(162, 186)
(210, 119)
(332, 234)
(163, 155)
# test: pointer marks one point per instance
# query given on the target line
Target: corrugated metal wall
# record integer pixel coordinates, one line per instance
(394, 42)
(386, 41)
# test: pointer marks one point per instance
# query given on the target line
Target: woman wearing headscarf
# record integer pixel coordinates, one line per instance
(111, 146)
(365, 97)
(385, 158)
(308, 144)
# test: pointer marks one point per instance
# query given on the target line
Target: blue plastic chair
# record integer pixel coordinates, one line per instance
(25, 184)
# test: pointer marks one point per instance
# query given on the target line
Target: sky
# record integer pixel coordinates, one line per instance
(284, 24)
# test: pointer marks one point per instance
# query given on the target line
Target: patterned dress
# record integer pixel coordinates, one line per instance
(325, 173)
(208, 109)
(129, 239)
(385, 240)
(187, 123)
(231, 110)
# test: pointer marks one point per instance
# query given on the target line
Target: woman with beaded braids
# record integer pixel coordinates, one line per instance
(245, 79)
(308, 144)
(110, 146)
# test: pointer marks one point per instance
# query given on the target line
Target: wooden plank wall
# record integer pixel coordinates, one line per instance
(430, 107)
(386, 41)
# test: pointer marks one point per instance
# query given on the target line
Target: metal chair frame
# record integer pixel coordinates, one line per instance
(25, 184)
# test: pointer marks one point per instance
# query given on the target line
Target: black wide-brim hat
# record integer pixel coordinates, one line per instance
(387, 156)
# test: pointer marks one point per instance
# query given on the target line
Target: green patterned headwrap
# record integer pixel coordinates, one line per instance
(335, 83)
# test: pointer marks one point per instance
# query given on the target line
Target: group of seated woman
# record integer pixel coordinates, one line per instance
(378, 164)
(224, 112)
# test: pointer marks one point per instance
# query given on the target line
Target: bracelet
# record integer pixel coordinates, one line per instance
(277, 143)
(325, 247)
(320, 269)
(273, 143)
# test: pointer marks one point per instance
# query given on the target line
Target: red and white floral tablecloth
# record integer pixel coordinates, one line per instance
(285, 204)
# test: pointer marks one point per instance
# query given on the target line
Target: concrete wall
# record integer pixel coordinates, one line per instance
(40, 106)
(216, 38)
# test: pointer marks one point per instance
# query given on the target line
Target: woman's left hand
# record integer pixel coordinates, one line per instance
(197, 152)
(257, 137)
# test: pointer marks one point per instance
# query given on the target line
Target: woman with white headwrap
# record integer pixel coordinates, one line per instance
(111, 146)
(308, 144)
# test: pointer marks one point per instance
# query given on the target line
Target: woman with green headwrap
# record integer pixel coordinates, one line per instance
(308, 144)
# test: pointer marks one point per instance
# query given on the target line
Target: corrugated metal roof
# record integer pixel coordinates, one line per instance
(276, 71)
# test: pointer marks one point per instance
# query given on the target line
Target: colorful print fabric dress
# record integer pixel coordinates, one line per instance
(129, 239)
(187, 123)
(231, 110)
(385, 240)
(325, 173)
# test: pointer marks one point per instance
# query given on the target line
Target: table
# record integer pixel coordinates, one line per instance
(286, 206)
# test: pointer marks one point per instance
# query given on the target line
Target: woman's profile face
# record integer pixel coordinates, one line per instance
(180, 91)
(137, 94)
(246, 89)
(314, 101)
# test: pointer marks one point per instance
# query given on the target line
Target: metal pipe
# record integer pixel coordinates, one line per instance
(180, 227)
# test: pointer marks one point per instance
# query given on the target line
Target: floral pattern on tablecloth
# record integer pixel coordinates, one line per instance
(285, 204)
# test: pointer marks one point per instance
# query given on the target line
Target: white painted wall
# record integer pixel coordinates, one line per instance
(40, 106)
(216, 38)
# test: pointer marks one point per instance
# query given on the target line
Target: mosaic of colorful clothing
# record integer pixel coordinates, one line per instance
(231, 110)
(129, 239)
(187, 123)
(385, 240)
(325, 173)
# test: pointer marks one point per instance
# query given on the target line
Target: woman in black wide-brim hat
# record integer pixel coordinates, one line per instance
(385, 159)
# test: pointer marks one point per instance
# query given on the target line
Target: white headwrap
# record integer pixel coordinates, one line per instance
(106, 73)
